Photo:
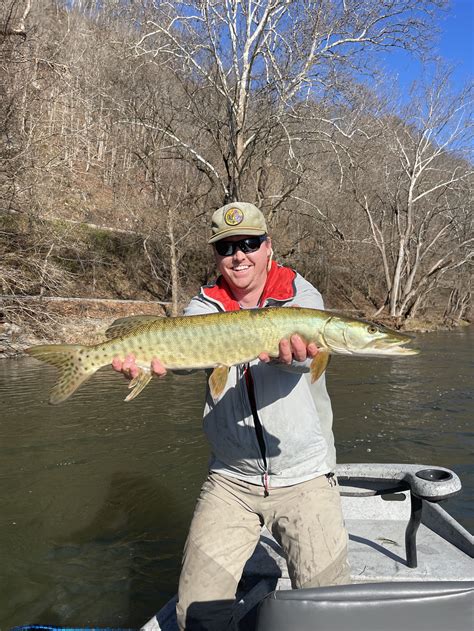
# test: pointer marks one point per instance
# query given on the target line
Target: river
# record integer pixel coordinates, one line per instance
(96, 495)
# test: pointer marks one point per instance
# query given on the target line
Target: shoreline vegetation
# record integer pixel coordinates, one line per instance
(111, 273)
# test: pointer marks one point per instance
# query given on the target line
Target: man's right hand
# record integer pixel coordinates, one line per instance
(130, 370)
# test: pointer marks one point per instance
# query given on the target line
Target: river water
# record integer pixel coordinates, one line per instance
(96, 495)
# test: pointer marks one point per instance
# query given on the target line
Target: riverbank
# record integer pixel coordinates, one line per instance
(67, 321)
(84, 321)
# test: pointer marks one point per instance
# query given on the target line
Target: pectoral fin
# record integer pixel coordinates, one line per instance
(138, 383)
(217, 381)
(319, 365)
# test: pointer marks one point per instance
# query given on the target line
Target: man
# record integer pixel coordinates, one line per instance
(270, 432)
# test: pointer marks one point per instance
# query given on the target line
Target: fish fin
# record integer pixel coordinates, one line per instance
(319, 365)
(138, 383)
(123, 326)
(217, 381)
(72, 371)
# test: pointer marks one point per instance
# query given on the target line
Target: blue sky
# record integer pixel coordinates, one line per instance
(455, 44)
(457, 36)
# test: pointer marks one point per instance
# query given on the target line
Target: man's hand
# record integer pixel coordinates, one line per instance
(292, 349)
(130, 369)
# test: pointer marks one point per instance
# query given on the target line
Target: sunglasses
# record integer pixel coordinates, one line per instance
(249, 244)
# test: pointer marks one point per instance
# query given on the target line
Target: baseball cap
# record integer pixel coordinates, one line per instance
(237, 218)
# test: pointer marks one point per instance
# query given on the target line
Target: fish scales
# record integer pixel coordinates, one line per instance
(216, 340)
(203, 341)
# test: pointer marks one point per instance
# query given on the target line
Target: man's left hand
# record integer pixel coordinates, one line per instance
(291, 350)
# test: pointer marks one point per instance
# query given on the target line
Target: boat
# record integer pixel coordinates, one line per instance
(411, 563)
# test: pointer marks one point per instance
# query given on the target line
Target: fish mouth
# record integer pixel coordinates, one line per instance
(395, 347)
(401, 350)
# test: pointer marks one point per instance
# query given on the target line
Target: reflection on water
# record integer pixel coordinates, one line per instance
(97, 495)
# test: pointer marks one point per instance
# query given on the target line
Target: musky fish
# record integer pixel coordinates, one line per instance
(217, 340)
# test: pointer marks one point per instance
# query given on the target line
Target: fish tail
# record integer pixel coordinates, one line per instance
(72, 363)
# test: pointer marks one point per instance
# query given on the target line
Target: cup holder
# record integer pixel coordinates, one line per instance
(434, 475)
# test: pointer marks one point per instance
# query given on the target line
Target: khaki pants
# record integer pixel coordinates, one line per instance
(306, 519)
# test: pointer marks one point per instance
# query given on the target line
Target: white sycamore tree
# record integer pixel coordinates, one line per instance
(247, 73)
(414, 184)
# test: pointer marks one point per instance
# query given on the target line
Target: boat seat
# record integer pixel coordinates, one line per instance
(408, 606)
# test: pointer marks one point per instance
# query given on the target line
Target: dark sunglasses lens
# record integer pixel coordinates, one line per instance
(224, 248)
(251, 244)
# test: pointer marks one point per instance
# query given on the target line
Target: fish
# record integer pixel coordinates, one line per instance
(217, 341)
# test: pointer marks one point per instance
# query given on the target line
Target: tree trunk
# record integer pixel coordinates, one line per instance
(173, 265)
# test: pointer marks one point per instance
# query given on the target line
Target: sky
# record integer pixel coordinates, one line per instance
(455, 44)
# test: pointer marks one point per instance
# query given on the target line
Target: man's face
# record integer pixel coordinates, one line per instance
(245, 272)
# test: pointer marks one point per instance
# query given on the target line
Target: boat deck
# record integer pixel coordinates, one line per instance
(377, 509)
(377, 554)
(377, 545)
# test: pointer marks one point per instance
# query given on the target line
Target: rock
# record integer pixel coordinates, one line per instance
(8, 331)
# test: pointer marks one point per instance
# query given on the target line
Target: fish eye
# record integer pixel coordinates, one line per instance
(372, 329)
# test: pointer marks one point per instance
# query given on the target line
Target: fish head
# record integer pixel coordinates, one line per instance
(359, 337)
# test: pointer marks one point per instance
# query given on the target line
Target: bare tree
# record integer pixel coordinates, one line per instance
(459, 301)
(258, 62)
(215, 101)
(413, 184)
(13, 19)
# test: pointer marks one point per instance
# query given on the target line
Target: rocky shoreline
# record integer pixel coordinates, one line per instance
(71, 321)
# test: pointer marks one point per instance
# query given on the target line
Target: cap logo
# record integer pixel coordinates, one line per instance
(233, 217)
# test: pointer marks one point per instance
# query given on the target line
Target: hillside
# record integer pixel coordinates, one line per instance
(118, 143)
